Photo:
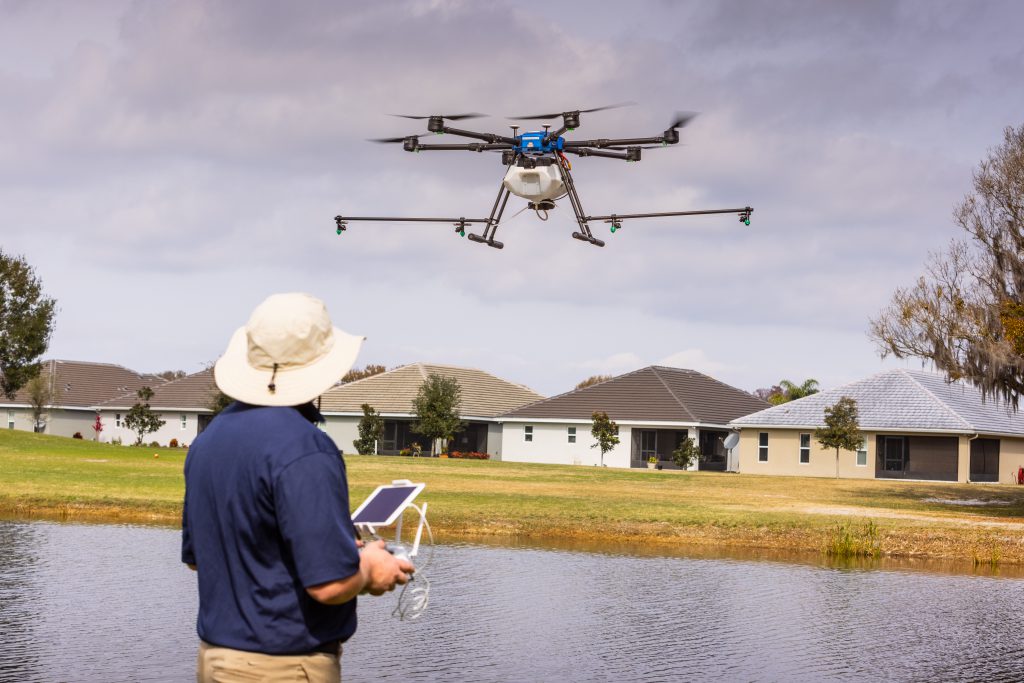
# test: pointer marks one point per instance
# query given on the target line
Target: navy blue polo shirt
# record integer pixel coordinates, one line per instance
(266, 515)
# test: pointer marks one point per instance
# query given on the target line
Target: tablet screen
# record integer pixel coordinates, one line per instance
(385, 504)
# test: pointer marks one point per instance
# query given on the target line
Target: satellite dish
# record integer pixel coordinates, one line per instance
(731, 440)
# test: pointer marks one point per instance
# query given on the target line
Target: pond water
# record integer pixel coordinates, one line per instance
(112, 603)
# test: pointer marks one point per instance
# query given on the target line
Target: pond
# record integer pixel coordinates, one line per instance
(111, 603)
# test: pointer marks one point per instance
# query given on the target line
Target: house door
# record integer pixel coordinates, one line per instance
(648, 444)
(894, 454)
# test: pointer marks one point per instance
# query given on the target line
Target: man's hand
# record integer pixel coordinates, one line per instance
(384, 570)
(379, 572)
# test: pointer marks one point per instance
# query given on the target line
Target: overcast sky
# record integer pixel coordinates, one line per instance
(167, 165)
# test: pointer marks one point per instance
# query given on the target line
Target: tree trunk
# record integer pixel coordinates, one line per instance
(837, 463)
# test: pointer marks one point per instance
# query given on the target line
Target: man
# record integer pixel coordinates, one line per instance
(266, 519)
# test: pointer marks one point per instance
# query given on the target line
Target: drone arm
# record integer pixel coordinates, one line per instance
(743, 213)
(468, 147)
(586, 152)
(620, 142)
(486, 137)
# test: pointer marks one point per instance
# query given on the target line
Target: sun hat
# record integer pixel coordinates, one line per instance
(287, 354)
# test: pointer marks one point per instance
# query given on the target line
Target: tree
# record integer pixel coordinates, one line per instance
(437, 406)
(140, 418)
(605, 432)
(686, 453)
(369, 371)
(592, 380)
(218, 401)
(171, 375)
(841, 430)
(966, 313)
(26, 323)
(41, 395)
(97, 426)
(371, 429)
(791, 392)
(766, 393)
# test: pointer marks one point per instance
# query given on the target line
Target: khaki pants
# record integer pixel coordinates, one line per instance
(224, 665)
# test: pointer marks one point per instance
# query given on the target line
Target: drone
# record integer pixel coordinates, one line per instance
(538, 170)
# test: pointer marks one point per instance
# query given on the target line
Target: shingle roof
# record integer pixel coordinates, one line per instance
(483, 394)
(654, 393)
(79, 384)
(900, 400)
(193, 392)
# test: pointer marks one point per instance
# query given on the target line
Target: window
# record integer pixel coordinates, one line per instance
(528, 433)
(862, 453)
(805, 449)
(184, 421)
(10, 419)
(762, 447)
(572, 435)
(117, 419)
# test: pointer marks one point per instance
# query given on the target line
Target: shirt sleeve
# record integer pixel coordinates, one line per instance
(311, 503)
(188, 552)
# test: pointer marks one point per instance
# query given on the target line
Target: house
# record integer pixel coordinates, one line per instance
(916, 425)
(655, 408)
(77, 388)
(183, 404)
(391, 393)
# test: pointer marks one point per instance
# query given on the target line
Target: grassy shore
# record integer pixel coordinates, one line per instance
(43, 477)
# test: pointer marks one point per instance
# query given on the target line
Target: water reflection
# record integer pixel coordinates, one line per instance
(106, 603)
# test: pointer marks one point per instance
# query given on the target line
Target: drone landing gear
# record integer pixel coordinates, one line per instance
(584, 234)
(492, 221)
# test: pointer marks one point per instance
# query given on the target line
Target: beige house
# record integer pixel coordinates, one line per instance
(391, 393)
(916, 425)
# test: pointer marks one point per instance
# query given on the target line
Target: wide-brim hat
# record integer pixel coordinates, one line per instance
(287, 354)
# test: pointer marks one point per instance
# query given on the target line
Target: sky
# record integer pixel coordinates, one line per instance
(165, 166)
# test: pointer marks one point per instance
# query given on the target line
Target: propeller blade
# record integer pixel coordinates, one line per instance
(394, 140)
(683, 119)
(538, 117)
(450, 117)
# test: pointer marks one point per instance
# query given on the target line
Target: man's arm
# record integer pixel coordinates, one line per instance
(379, 572)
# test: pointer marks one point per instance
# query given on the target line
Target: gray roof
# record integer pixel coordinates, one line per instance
(483, 394)
(906, 400)
(78, 384)
(193, 392)
(656, 393)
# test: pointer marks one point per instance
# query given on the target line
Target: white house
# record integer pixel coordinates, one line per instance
(77, 388)
(655, 409)
(183, 404)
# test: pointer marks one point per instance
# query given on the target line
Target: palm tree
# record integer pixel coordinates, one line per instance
(791, 392)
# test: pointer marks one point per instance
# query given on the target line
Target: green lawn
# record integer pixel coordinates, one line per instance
(44, 476)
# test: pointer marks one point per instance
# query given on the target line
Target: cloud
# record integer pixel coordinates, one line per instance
(165, 165)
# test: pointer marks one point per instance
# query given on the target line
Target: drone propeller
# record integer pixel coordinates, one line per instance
(395, 140)
(538, 117)
(683, 119)
(450, 117)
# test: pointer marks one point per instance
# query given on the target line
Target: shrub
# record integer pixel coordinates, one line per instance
(116, 441)
(686, 453)
(173, 443)
(76, 435)
(154, 444)
(469, 455)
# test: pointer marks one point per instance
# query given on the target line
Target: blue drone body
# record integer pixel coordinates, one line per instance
(538, 142)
